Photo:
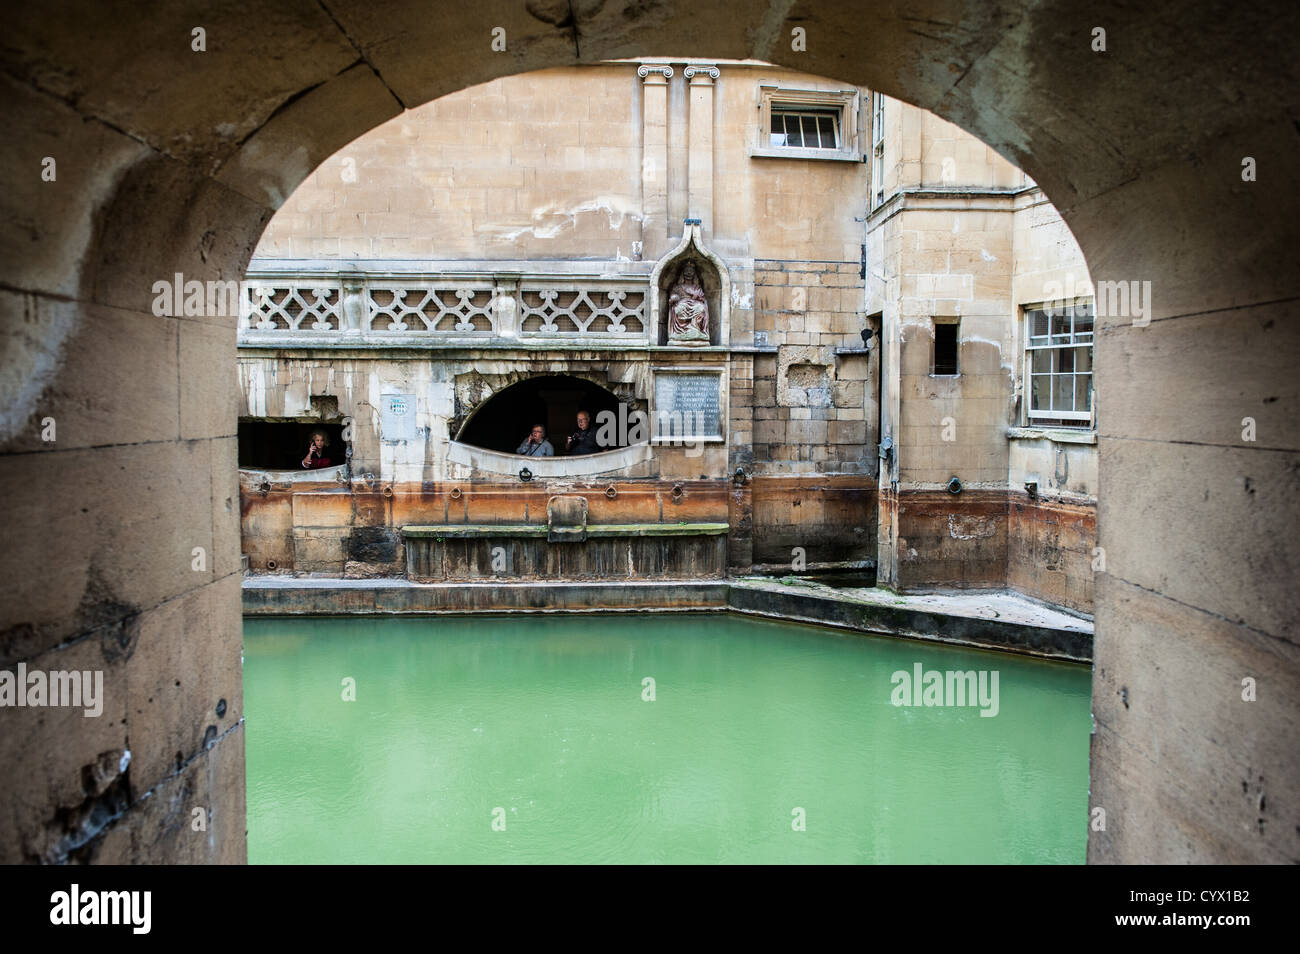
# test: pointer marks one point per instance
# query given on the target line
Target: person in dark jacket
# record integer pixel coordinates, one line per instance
(583, 440)
(316, 457)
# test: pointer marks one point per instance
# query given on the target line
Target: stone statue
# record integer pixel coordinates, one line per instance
(688, 311)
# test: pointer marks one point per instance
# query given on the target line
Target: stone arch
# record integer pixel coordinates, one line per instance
(474, 390)
(603, 396)
(1139, 145)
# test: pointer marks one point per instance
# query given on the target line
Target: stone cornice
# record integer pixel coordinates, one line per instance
(949, 199)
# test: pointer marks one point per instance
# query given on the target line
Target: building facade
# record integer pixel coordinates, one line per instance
(874, 377)
(989, 470)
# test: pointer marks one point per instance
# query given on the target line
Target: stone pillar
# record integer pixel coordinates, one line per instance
(740, 507)
(505, 302)
(353, 305)
(654, 159)
(700, 166)
(889, 346)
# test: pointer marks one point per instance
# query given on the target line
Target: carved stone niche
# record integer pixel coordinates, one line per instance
(711, 275)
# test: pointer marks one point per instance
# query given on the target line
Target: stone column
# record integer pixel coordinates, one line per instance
(700, 168)
(353, 304)
(505, 300)
(654, 159)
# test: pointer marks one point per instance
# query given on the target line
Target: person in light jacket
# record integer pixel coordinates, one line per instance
(536, 444)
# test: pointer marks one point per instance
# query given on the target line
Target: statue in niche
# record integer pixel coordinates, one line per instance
(688, 310)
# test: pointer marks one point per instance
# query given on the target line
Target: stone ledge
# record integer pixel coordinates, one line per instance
(934, 618)
(1061, 435)
(476, 531)
(583, 465)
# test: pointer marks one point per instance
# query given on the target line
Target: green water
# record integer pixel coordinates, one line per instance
(539, 723)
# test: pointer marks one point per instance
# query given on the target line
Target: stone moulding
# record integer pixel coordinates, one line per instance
(325, 475)
(495, 462)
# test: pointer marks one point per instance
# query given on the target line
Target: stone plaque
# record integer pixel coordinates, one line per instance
(397, 417)
(688, 404)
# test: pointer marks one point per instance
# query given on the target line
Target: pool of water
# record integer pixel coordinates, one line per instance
(535, 739)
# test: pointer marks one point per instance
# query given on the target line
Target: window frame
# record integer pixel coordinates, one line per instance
(843, 102)
(955, 324)
(1080, 420)
(803, 113)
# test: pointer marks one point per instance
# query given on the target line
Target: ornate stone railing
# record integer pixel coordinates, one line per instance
(282, 307)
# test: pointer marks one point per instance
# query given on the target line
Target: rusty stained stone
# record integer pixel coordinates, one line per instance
(833, 518)
(952, 541)
(1049, 550)
(510, 558)
(360, 530)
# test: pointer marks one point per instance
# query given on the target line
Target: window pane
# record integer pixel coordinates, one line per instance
(809, 131)
(945, 349)
(826, 125)
(1038, 324)
(1082, 358)
(1038, 385)
(817, 125)
(792, 135)
(1060, 322)
(1040, 361)
(1083, 320)
(1082, 391)
(778, 129)
(1065, 359)
(1063, 392)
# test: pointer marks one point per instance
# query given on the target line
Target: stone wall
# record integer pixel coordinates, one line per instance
(963, 237)
(575, 163)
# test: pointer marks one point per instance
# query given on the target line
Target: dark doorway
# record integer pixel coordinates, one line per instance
(552, 400)
(281, 445)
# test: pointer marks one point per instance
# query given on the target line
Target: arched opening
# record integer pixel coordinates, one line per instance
(502, 423)
(186, 184)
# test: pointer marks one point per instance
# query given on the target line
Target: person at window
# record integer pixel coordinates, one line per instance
(583, 440)
(536, 444)
(316, 457)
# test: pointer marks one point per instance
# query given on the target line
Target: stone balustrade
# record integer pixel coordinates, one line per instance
(315, 307)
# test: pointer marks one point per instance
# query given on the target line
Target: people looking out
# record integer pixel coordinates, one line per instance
(583, 440)
(316, 458)
(536, 444)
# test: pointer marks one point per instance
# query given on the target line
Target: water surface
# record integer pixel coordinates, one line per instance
(540, 723)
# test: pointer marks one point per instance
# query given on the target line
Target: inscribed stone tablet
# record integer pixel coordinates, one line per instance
(397, 417)
(688, 405)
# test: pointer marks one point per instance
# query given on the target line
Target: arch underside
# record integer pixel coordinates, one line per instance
(1140, 147)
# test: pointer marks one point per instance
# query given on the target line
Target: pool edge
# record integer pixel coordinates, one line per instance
(821, 606)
